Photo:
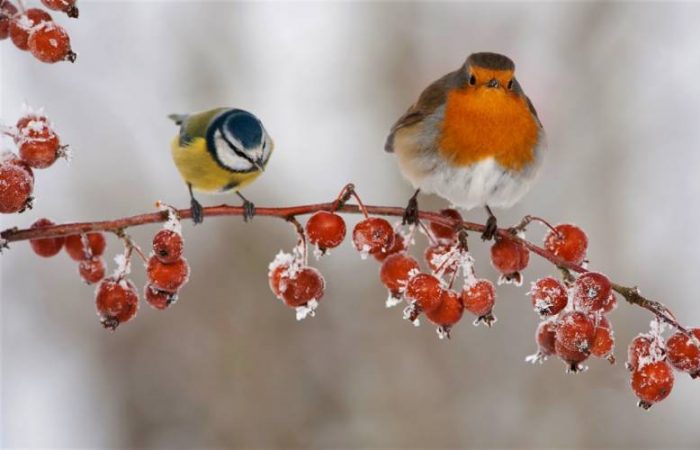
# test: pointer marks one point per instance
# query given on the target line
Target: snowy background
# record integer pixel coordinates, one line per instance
(616, 86)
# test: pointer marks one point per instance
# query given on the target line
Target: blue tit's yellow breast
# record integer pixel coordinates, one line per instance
(198, 168)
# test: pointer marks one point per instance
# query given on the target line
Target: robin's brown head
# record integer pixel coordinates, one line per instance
(489, 70)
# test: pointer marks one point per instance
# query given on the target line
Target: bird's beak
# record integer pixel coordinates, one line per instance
(260, 164)
(493, 83)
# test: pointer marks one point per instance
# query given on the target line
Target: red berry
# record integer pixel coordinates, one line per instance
(639, 351)
(158, 299)
(7, 11)
(548, 296)
(92, 270)
(437, 259)
(479, 298)
(46, 247)
(591, 291)
(683, 354)
(570, 356)
(38, 144)
(545, 337)
(23, 24)
(603, 340)
(299, 288)
(396, 271)
(325, 230)
(66, 6)
(575, 331)
(399, 245)
(75, 246)
(610, 304)
(167, 246)
(450, 310)
(373, 235)
(117, 301)
(568, 243)
(50, 43)
(447, 234)
(275, 278)
(509, 256)
(652, 383)
(10, 158)
(16, 186)
(425, 291)
(167, 277)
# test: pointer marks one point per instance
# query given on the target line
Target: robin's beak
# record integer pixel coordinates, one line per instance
(493, 83)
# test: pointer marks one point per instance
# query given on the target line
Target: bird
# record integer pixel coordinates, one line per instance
(219, 151)
(473, 138)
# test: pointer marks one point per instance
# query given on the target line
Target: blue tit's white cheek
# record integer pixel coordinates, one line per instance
(228, 157)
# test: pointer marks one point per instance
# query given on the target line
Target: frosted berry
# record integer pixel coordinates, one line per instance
(66, 6)
(591, 291)
(167, 277)
(373, 235)
(275, 278)
(610, 304)
(509, 256)
(16, 186)
(425, 291)
(548, 296)
(23, 24)
(449, 312)
(50, 43)
(575, 331)
(46, 247)
(571, 357)
(437, 258)
(479, 298)
(447, 234)
(7, 11)
(568, 243)
(545, 337)
(38, 144)
(299, 288)
(158, 299)
(395, 272)
(78, 251)
(603, 340)
(398, 245)
(683, 354)
(326, 230)
(92, 270)
(639, 351)
(652, 383)
(167, 246)
(116, 301)
(8, 157)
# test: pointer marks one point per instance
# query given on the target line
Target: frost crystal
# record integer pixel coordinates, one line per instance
(308, 310)
(392, 301)
(123, 266)
(173, 223)
(536, 358)
(364, 253)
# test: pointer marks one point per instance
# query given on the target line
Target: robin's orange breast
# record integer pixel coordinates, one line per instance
(484, 123)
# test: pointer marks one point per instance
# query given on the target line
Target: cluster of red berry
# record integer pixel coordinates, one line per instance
(39, 147)
(34, 29)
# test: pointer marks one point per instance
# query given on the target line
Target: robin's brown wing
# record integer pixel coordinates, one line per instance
(430, 99)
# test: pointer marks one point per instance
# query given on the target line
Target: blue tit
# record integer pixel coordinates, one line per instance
(220, 151)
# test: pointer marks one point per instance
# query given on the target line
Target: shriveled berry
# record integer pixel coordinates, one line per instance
(548, 296)
(167, 246)
(398, 245)
(50, 43)
(301, 287)
(167, 277)
(568, 243)
(158, 299)
(639, 351)
(603, 340)
(325, 230)
(447, 234)
(652, 383)
(509, 256)
(591, 291)
(16, 186)
(373, 235)
(437, 258)
(7, 11)
(545, 337)
(450, 310)
(479, 297)
(66, 6)
(425, 291)
(46, 247)
(116, 301)
(23, 24)
(575, 331)
(79, 251)
(683, 354)
(92, 270)
(396, 271)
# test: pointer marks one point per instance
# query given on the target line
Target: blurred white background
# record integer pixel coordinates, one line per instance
(616, 86)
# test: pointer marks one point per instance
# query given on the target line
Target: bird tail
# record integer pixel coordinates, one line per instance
(177, 118)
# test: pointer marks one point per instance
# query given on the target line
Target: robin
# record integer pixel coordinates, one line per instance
(473, 138)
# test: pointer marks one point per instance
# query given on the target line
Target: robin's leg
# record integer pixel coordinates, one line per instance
(248, 208)
(195, 207)
(410, 214)
(491, 225)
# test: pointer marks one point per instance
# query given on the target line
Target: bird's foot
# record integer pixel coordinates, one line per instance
(410, 214)
(491, 226)
(197, 212)
(248, 210)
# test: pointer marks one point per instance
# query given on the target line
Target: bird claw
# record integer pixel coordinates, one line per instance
(248, 210)
(197, 212)
(410, 214)
(491, 228)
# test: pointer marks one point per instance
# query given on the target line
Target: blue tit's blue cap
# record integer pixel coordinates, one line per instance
(244, 126)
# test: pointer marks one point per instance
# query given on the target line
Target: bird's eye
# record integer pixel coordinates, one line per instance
(472, 80)
(510, 84)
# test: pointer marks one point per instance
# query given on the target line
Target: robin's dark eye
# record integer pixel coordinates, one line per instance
(472, 80)
(510, 84)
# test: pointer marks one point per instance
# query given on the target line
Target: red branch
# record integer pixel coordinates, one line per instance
(631, 294)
